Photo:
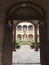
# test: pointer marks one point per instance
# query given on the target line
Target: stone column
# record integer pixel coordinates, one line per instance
(43, 43)
(36, 46)
(22, 33)
(27, 29)
(14, 30)
(2, 26)
(47, 21)
(7, 45)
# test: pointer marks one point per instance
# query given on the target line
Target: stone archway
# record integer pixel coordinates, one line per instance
(19, 36)
(23, 13)
(25, 37)
(30, 36)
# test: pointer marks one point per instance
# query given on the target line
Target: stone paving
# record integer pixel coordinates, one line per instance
(26, 56)
(26, 64)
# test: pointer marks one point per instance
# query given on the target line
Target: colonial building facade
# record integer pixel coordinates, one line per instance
(25, 31)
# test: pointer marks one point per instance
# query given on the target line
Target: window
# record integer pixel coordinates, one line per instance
(19, 27)
(25, 28)
(30, 27)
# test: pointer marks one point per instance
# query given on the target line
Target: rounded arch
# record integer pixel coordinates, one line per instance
(19, 27)
(24, 37)
(19, 36)
(10, 16)
(30, 27)
(24, 28)
(30, 36)
(21, 21)
(25, 11)
(24, 25)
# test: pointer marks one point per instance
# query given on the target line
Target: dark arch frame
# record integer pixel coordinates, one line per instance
(32, 6)
(36, 8)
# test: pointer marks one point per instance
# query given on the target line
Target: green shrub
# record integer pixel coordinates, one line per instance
(31, 43)
(18, 43)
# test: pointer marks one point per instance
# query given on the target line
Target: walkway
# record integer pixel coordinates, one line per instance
(26, 56)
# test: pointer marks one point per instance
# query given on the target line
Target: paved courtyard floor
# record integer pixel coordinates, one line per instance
(26, 56)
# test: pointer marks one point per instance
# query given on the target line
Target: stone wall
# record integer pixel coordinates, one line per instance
(2, 19)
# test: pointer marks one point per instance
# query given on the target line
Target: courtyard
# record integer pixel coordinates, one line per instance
(26, 56)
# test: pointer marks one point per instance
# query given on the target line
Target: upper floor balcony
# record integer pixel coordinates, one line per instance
(25, 29)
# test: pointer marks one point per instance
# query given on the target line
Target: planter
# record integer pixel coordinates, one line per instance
(17, 47)
(18, 43)
(31, 44)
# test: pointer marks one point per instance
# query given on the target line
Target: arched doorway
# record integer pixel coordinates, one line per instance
(24, 11)
(24, 37)
(19, 36)
(30, 37)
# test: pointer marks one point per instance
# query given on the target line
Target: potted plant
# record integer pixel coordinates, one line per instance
(31, 43)
(18, 43)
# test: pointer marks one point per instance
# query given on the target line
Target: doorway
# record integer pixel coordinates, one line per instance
(20, 12)
(26, 54)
